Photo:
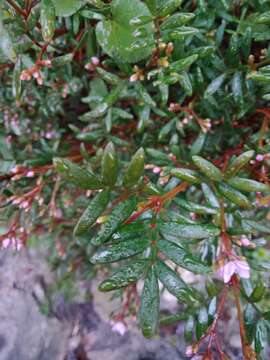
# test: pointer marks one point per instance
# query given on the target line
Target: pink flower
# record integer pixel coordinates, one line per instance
(237, 266)
(156, 170)
(260, 157)
(95, 60)
(245, 242)
(30, 174)
(119, 327)
(189, 351)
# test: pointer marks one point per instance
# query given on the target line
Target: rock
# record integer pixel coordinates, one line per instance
(26, 334)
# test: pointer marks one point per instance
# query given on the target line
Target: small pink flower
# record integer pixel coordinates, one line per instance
(156, 170)
(119, 327)
(260, 157)
(30, 174)
(6, 243)
(237, 266)
(245, 242)
(189, 351)
(95, 60)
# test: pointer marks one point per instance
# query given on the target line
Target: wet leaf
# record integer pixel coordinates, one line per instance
(124, 276)
(174, 284)
(92, 212)
(119, 251)
(119, 214)
(149, 309)
(182, 257)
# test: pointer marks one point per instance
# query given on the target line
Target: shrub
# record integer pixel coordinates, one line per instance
(144, 125)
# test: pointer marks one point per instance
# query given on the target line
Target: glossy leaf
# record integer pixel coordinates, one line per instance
(174, 284)
(182, 257)
(124, 276)
(248, 185)
(92, 212)
(234, 196)
(109, 170)
(47, 20)
(191, 176)
(135, 169)
(119, 251)
(189, 231)
(119, 214)
(67, 7)
(116, 35)
(149, 308)
(207, 168)
(76, 174)
(239, 163)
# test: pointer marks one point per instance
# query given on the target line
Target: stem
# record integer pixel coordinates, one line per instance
(247, 351)
(17, 8)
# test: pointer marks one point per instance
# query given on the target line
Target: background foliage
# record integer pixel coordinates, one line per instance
(143, 126)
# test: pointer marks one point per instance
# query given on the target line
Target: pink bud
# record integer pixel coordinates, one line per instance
(245, 241)
(119, 327)
(95, 60)
(156, 170)
(30, 173)
(189, 351)
(260, 157)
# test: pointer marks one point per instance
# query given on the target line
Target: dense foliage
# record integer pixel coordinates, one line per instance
(144, 126)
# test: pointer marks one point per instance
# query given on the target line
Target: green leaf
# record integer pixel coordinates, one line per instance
(234, 196)
(16, 81)
(6, 44)
(109, 168)
(176, 20)
(92, 212)
(215, 85)
(116, 36)
(62, 60)
(183, 64)
(196, 208)
(237, 87)
(180, 33)
(128, 231)
(239, 163)
(202, 323)
(124, 276)
(207, 168)
(189, 231)
(67, 7)
(210, 196)
(263, 18)
(248, 185)
(260, 336)
(162, 8)
(255, 226)
(135, 169)
(119, 214)
(258, 293)
(174, 284)
(182, 257)
(47, 20)
(185, 82)
(249, 321)
(79, 176)
(191, 176)
(119, 251)
(188, 331)
(109, 77)
(149, 309)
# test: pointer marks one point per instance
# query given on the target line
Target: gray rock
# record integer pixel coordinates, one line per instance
(26, 334)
